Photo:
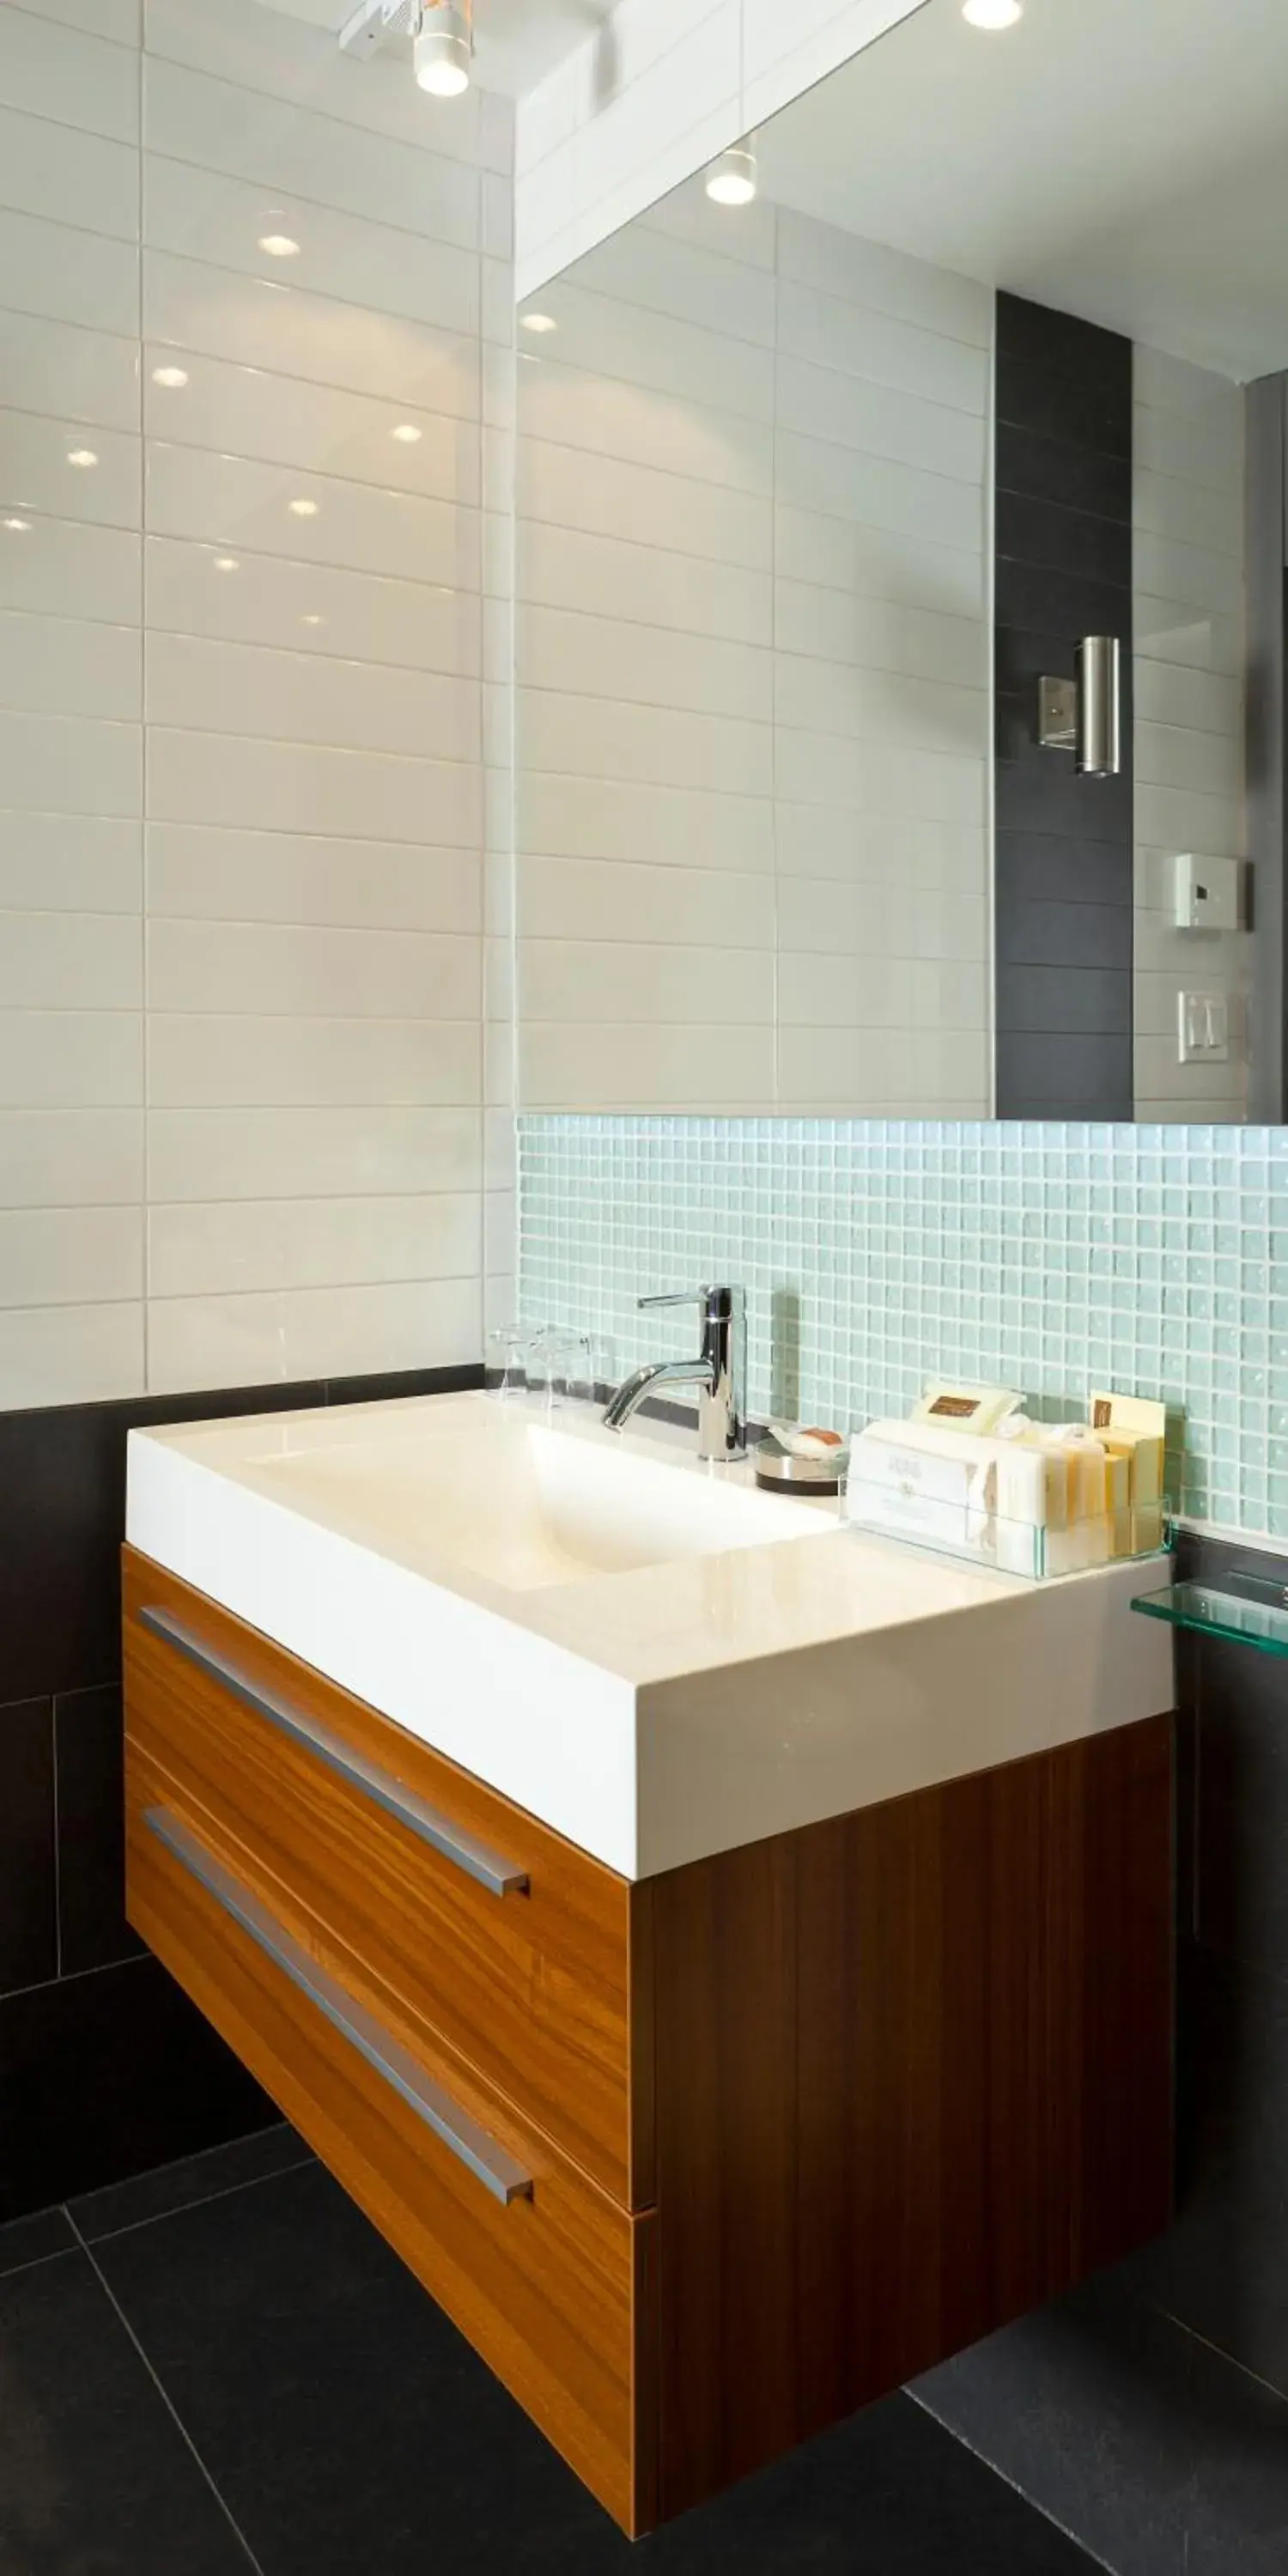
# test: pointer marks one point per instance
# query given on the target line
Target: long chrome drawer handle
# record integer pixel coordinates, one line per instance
(487, 2161)
(478, 1862)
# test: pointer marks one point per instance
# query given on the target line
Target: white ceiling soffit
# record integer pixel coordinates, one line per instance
(1123, 159)
(516, 42)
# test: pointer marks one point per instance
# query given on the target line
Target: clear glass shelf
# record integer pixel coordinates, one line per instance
(1249, 1610)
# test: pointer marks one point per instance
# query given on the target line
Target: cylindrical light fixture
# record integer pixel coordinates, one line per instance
(731, 181)
(444, 48)
(1100, 752)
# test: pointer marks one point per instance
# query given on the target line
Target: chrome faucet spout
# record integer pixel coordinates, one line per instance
(720, 1375)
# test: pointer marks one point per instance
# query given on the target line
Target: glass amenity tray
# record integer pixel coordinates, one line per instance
(984, 1539)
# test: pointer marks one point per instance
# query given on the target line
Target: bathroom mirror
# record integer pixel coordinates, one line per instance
(816, 490)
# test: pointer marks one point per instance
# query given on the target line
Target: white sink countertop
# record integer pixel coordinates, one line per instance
(653, 1656)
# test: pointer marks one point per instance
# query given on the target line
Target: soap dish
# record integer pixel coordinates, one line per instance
(785, 1471)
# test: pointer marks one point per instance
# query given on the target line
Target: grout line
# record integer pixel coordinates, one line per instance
(203, 2200)
(168, 2403)
(1092, 2556)
(58, 1868)
(130, 1958)
(13, 2271)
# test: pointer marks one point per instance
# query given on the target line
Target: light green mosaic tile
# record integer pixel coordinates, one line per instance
(1054, 1258)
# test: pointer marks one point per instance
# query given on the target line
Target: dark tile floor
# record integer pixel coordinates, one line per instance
(221, 2368)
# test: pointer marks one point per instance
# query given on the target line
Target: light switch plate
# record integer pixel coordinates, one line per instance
(1207, 893)
(1203, 1028)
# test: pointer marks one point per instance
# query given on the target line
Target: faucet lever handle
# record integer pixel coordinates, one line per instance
(680, 1297)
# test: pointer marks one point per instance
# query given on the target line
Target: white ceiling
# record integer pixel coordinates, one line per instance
(516, 41)
(1122, 159)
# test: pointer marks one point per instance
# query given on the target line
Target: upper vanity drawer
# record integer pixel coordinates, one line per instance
(489, 1926)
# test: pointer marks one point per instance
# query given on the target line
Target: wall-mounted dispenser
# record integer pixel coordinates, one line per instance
(1084, 715)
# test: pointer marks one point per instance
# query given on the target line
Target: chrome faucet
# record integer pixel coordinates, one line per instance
(720, 1374)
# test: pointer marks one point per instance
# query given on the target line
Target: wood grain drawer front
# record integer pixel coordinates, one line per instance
(487, 1925)
(546, 2277)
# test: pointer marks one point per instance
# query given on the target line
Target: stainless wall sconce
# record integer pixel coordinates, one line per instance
(1085, 715)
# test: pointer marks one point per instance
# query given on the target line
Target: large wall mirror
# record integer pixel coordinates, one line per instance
(816, 488)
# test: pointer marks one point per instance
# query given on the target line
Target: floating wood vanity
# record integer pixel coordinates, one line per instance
(700, 2161)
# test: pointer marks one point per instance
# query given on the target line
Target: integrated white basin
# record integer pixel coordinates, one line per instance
(522, 1502)
(654, 1657)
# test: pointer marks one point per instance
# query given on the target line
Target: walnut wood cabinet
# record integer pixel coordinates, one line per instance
(699, 2164)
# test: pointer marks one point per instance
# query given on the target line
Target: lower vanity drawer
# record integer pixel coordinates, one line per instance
(546, 2277)
(489, 1926)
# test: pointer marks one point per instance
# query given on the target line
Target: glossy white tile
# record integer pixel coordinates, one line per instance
(70, 1355)
(311, 1332)
(282, 143)
(613, 576)
(75, 374)
(245, 411)
(822, 261)
(612, 657)
(264, 1244)
(70, 276)
(646, 1068)
(70, 765)
(235, 503)
(75, 178)
(601, 495)
(260, 322)
(198, 1061)
(64, 74)
(197, 873)
(71, 1158)
(311, 609)
(382, 1149)
(198, 683)
(292, 787)
(57, 568)
(597, 818)
(657, 353)
(59, 665)
(70, 961)
(70, 863)
(57, 468)
(575, 408)
(604, 738)
(70, 1256)
(71, 1059)
(568, 981)
(204, 215)
(275, 968)
(610, 899)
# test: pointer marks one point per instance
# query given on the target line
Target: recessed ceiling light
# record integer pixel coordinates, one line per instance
(313, 619)
(18, 526)
(538, 322)
(81, 456)
(407, 434)
(279, 245)
(993, 14)
(170, 377)
(444, 48)
(304, 509)
(731, 181)
(227, 563)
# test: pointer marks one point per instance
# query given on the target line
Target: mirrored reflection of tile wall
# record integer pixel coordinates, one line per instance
(1050, 1258)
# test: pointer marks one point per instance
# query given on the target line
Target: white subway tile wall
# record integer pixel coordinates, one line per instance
(876, 1254)
(1188, 543)
(753, 674)
(242, 1055)
(659, 89)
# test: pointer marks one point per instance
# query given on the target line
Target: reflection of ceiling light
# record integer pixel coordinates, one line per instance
(81, 456)
(731, 181)
(992, 13)
(19, 526)
(304, 509)
(407, 434)
(538, 322)
(443, 49)
(279, 245)
(313, 620)
(170, 377)
(226, 563)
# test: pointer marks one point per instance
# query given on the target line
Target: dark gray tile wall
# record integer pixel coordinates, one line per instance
(1149, 2413)
(105, 2068)
(1064, 844)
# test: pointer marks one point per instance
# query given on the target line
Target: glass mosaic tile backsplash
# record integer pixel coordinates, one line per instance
(875, 1254)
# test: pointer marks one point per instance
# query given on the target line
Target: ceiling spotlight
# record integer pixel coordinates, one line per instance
(227, 563)
(18, 526)
(171, 377)
(731, 181)
(81, 456)
(407, 434)
(993, 14)
(313, 619)
(303, 509)
(538, 322)
(444, 48)
(279, 245)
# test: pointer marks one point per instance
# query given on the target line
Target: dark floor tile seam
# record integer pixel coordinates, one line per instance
(1074, 2537)
(202, 2200)
(168, 2402)
(75, 1976)
(38, 2262)
(1269, 2387)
